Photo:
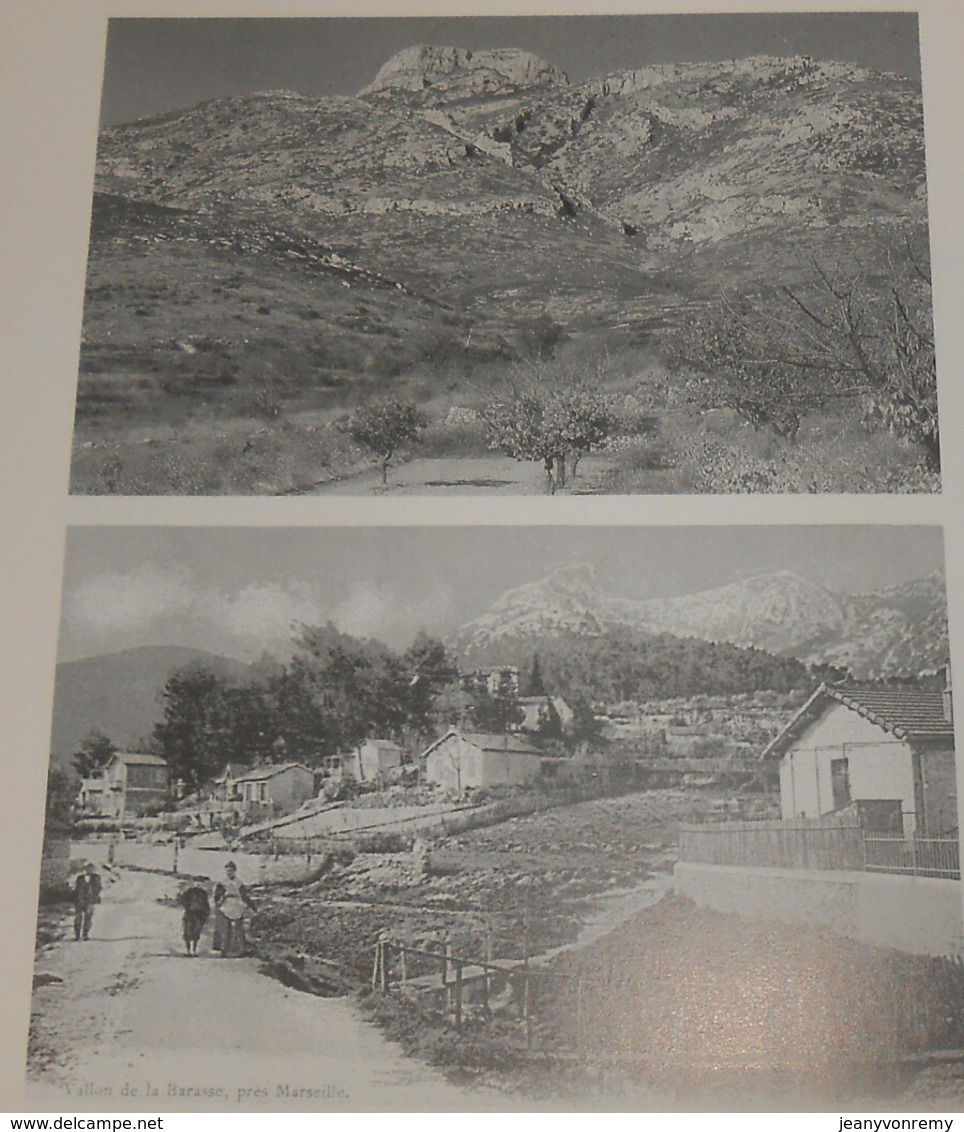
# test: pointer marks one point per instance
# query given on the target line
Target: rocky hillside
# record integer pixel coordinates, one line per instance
(673, 154)
(898, 631)
(486, 190)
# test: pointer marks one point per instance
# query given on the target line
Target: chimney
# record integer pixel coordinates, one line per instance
(948, 704)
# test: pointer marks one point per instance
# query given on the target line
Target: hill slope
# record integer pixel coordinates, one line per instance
(120, 694)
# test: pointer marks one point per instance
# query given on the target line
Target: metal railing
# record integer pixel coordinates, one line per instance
(815, 843)
(913, 856)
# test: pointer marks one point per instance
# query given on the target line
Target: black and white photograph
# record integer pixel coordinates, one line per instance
(490, 818)
(345, 770)
(468, 256)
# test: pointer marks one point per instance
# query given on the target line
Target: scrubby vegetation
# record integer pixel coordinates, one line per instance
(649, 426)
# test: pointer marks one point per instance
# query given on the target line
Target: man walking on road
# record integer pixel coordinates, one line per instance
(86, 898)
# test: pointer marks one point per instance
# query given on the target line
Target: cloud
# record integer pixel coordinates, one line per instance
(156, 603)
(116, 602)
(269, 612)
(387, 614)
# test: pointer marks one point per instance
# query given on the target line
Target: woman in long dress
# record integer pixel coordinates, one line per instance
(232, 903)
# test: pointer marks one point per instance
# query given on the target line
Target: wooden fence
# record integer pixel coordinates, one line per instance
(800, 843)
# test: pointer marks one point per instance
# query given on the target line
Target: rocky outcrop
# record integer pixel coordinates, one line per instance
(423, 66)
(686, 154)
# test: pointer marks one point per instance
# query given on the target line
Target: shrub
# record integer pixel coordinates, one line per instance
(384, 426)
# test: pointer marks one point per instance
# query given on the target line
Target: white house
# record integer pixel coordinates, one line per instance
(467, 759)
(886, 752)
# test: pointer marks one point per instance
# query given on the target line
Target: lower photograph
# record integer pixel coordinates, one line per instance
(501, 819)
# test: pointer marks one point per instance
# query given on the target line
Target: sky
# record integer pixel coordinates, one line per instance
(241, 591)
(156, 65)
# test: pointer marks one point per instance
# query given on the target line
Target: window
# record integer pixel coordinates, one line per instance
(840, 783)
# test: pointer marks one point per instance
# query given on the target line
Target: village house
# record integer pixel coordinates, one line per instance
(460, 760)
(129, 784)
(374, 760)
(91, 794)
(869, 824)
(540, 711)
(226, 787)
(281, 786)
(501, 681)
(886, 753)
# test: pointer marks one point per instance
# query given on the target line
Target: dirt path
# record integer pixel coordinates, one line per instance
(132, 1014)
(483, 475)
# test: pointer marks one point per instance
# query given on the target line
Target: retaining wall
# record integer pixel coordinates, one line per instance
(920, 915)
(253, 868)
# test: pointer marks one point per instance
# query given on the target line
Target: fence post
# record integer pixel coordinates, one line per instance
(386, 954)
(458, 996)
(487, 977)
(580, 1043)
(377, 964)
(526, 1006)
(525, 973)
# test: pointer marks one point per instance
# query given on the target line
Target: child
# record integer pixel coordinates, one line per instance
(197, 908)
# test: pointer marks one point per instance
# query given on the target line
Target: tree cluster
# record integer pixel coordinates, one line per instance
(556, 430)
(335, 692)
(626, 664)
(550, 417)
(95, 752)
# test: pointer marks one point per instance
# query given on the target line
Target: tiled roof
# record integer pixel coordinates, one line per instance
(906, 713)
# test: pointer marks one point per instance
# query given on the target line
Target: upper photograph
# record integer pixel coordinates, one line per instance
(584, 255)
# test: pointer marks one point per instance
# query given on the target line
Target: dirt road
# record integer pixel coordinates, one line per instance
(482, 475)
(127, 1022)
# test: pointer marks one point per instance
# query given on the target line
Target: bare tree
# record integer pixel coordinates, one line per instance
(851, 332)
